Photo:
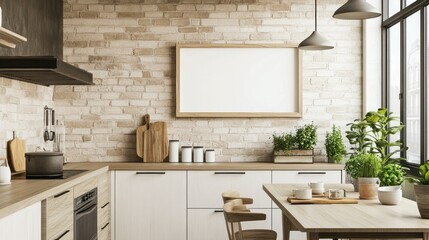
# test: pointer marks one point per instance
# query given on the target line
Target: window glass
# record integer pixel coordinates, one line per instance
(394, 7)
(413, 87)
(409, 2)
(394, 62)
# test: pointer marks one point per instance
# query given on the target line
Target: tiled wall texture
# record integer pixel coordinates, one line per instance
(21, 110)
(129, 47)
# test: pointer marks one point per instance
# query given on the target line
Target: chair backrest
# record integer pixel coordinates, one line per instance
(232, 194)
(236, 212)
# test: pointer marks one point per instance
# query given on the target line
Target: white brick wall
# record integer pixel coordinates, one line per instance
(129, 47)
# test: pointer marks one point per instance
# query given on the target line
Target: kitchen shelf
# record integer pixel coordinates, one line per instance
(9, 39)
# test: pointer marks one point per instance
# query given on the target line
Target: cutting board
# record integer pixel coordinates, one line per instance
(139, 135)
(155, 142)
(16, 154)
(324, 200)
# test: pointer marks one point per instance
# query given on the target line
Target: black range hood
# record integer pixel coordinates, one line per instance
(43, 71)
(39, 60)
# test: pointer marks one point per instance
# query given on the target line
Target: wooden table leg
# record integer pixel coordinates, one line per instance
(287, 227)
(426, 236)
(312, 236)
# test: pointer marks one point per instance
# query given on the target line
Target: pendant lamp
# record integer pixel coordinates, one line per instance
(315, 41)
(356, 10)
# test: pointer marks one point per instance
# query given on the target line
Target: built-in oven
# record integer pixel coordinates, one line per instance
(85, 216)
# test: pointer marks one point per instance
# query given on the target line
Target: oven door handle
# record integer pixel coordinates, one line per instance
(86, 211)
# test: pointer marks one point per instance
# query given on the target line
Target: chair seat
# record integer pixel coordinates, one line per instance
(258, 234)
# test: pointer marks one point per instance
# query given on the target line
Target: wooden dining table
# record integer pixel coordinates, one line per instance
(366, 219)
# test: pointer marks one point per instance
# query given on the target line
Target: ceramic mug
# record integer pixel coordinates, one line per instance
(5, 175)
(317, 187)
(304, 193)
(335, 194)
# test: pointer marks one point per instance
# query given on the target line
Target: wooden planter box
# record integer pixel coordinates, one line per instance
(294, 156)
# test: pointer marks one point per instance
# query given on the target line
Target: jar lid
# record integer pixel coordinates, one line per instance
(198, 146)
(43, 154)
(209, 150)
(174, 141)
(186, 146)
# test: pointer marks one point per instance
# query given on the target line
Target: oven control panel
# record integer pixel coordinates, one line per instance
(84, 199)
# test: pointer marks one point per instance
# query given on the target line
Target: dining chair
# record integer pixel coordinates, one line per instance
(235, 213)
(233, 194)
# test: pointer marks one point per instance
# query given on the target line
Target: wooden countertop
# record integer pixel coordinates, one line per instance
(25, 192)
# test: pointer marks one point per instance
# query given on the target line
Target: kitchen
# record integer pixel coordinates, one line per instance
(129, 47)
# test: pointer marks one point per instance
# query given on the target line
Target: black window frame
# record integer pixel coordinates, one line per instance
(400, 18)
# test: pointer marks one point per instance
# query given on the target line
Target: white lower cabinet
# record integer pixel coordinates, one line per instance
(209, 224)
(150, 205)
(25, 224)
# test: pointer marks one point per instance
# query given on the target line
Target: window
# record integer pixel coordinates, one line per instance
(405, 41)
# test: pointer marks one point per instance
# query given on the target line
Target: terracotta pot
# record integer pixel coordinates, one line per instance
(368, 188)
(422, 199)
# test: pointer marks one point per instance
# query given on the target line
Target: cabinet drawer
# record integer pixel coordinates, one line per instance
(67, 234)
(103, 215)
(104, 232)
(205, 187)
(209, 224)
(103, 190)
(57, 214)
(307, 176)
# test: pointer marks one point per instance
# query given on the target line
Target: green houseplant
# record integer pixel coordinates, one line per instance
(391, 177)
(369, 168)
(283, 142)
(306, 136)
(335, 148)
(421, 189)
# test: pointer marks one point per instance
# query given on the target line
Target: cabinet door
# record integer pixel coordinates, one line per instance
(205, 187)
(209, 224)
(150, 205)
(57, 215)
(278, 227)
(23, 225)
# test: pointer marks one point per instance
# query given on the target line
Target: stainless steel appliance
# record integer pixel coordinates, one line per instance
(44, 164)
(85, 216)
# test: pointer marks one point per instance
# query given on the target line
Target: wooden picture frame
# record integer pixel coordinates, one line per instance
(224, 80)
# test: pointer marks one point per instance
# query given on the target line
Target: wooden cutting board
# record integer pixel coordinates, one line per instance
(139, 135)
(325, 200)
(16, 154)
(155, 143)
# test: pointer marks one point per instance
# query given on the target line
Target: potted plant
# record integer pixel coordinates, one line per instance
(421, 189)
(369, 168)
(295, 148)
(391, 177)
(335, 148)
(352, 167)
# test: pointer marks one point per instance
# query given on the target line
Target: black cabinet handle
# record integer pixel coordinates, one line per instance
(230, 173)
(105, 205)
(107, 224)
(312, 173)
(148, 173)
(218, 211)
(60, 194)
(62, 235)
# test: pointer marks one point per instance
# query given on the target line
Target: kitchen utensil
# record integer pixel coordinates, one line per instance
(5, 174)
(49, 119)
(155, 143)
(304, 193)
(16, 154)
(186, 154)
(139, 135)
(322, 201)
(44, 164)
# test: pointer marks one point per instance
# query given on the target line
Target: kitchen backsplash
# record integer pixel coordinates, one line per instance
(129, 47)
(21, 110)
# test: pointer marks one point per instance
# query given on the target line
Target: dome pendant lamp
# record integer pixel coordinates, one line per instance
(356, 10)
(315, 41)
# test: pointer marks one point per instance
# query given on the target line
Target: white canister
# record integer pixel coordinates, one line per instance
(173, 151)
(210, 155)
(5, 174)
(187, 154)
(198, 154)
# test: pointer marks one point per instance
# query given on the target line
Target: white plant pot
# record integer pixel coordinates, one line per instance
(391, 195)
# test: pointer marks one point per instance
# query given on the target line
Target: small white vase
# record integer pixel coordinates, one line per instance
(5, 175)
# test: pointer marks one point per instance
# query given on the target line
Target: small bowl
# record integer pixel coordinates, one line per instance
(391, 195)
(318, 191)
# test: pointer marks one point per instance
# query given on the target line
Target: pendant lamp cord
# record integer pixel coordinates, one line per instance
(315, 14)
